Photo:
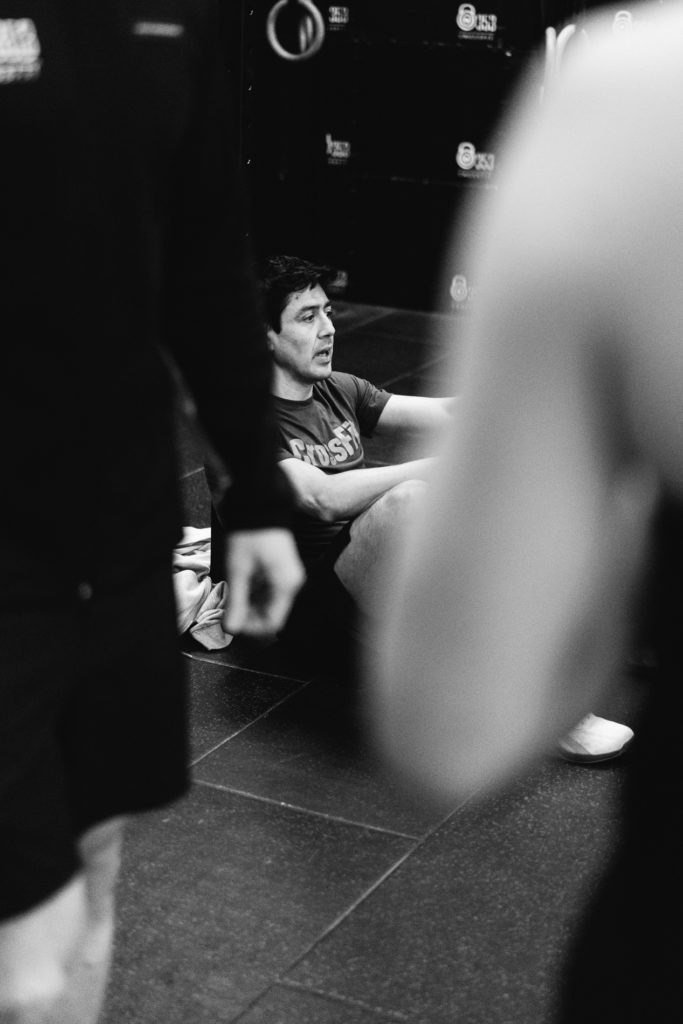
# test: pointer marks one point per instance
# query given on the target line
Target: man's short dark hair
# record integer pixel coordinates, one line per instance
(282, 276)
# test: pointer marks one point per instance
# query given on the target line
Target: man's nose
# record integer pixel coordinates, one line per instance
(327, 327)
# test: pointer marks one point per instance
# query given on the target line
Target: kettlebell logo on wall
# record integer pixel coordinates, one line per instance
(623, 22)
(460, 293)
(338, 151)
(466, 19)
(472, 164)
(466, 156)
(473, 25)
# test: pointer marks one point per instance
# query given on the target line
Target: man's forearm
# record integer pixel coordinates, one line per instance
(415, 414)
(347, 494)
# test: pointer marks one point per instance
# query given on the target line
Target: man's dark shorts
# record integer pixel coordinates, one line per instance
(325, 620)
(93, 726)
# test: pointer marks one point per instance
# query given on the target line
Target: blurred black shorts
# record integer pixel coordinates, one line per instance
(93, 725)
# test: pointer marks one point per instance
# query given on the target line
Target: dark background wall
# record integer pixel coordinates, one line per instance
(362, 156)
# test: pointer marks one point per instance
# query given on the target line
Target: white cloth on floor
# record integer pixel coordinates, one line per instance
(199, 602)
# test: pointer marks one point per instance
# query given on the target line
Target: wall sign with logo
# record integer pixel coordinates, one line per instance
(474, 24)
(472, 163)
(337, 151)
(338, 18)
(461, 292)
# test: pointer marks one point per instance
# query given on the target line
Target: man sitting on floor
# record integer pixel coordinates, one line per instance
(350, 514)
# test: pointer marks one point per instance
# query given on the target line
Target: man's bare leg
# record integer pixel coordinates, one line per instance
(54, 960)
(375, 535)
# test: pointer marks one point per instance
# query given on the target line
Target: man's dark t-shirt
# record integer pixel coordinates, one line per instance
(325, 430)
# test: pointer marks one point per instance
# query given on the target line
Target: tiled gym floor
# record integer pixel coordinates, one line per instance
(295, 885)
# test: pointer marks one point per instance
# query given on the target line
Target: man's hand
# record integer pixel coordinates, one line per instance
(263, 573)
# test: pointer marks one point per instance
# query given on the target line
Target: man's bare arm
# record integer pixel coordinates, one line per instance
(413, 413)
(343, 495)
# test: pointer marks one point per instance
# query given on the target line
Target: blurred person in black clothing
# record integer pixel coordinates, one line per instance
(124, 264)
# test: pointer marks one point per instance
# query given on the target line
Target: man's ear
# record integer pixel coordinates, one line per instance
(272, 339)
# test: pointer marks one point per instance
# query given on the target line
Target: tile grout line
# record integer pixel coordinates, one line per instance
(416, 369)
(243, 668)
(391, 1015)
(371, 310)
(373, 888)
(344, 330)
(306, 810)
(248, 725)
(298, 986)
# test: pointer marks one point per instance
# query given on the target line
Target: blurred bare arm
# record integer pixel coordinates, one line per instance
(510, 605)
(415, 413)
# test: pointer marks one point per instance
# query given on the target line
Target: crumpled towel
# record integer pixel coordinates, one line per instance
(199, 602)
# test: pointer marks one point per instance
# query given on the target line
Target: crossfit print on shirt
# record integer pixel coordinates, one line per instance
(342, 446)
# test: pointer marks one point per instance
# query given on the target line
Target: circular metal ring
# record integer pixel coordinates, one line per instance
(311, 31)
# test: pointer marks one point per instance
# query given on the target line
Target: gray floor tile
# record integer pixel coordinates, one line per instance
(189, 445)
(378, 359)
(353, 315)
(219, 894)
(265, 658)
(224, 700)
(196, 500)
(284, 1005)
(309, 753)
(418, 327)
(472, 927)
(435, 379)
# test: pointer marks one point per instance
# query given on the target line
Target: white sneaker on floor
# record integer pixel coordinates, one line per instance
(595, 739)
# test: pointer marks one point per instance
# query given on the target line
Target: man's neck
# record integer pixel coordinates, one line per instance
(293, 390)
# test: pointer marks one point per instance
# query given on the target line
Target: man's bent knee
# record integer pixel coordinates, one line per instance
(391, 509)
(401, 498)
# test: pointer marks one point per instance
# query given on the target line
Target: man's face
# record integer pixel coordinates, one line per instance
(302, 350)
